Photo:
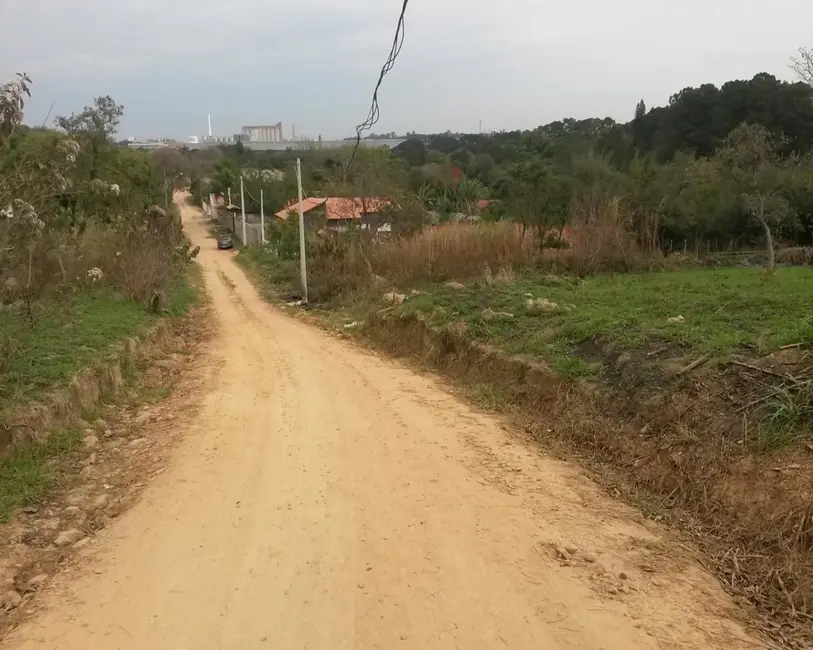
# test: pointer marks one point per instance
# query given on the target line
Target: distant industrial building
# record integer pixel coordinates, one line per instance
(263, 133)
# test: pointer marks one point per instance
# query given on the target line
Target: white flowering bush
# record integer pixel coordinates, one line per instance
(73, 203)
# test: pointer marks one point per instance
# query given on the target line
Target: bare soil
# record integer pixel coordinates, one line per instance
(323, 497)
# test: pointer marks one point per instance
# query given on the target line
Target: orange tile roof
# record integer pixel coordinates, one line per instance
(341, 208)
(307, 205)
(338, 208)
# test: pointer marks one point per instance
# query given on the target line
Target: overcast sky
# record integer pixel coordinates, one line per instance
(510, 63)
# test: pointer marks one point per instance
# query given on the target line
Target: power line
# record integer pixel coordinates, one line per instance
(389, 64)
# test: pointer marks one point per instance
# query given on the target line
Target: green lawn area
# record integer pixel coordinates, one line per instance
(68, 334)
(723, 310)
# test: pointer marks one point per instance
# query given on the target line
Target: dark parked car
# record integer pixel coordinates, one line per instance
(225, 241)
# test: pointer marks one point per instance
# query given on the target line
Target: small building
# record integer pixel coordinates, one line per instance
(338, 213)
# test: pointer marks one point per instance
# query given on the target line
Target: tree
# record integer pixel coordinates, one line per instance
(536, 196)
(751, 157)
(638, 126)
(468, 192)
(225, 176)
(640, 110)
(700, 119)
(803, 65)
(172, 166)
(413, 151)
(93, 129)
(12, 102)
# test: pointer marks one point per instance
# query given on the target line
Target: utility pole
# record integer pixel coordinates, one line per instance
(262, 218)
(229, 196)
(243, 206)
(303, 268)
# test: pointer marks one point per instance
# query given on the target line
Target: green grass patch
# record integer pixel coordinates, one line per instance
(273, 275)
(26, 475)
(723, 311)
(70, 333)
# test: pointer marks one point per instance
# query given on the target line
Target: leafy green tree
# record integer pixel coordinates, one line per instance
(533, 194)
(225, 176)
(638, 127)
(484, 168)
(413, 151)
(700, 119)
(94, 129)
(468, 192)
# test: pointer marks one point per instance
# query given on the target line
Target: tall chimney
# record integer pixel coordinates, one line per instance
(293, 131)
(210, 125)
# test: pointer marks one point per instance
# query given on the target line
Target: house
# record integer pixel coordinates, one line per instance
(337, 213)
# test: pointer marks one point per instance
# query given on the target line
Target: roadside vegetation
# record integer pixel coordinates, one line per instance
(91, 253)
(634, 294)
(29, 472)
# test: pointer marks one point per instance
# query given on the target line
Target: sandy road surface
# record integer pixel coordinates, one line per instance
(324, 498)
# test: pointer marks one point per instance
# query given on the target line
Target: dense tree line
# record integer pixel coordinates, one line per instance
(677, 172)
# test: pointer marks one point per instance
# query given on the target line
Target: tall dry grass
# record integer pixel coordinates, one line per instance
(603, 240)
(600, 240)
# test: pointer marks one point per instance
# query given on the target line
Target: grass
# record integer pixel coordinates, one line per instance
(723, 311)
(272, 274)
(70, 333)
(27, 474)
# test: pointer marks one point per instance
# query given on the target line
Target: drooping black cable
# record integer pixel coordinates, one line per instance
(375, 113)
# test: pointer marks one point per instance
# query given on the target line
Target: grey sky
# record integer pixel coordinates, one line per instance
(510, 63)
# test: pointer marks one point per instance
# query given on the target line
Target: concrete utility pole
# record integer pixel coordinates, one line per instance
(303, 268)
(262, 218)
(243, 206)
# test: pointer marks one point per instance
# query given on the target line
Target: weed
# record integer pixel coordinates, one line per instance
(28, 472)
(787, 412)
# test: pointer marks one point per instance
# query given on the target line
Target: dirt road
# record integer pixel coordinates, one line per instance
(326, 498)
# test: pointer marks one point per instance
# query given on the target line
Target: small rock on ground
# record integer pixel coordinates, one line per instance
(10, 600)
(393, 298)
(67, 537)
(491, 315)
(36, 582)
(540, 306)
(562, 553)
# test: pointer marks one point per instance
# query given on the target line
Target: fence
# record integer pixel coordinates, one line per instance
(233, 222)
